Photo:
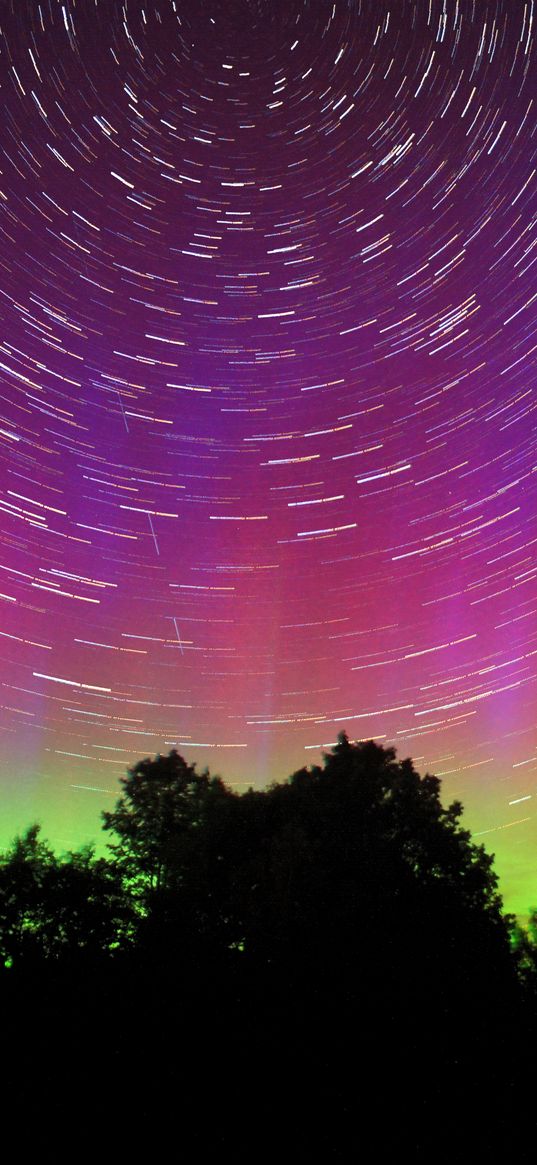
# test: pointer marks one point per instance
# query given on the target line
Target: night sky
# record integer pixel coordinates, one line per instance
(268, 348)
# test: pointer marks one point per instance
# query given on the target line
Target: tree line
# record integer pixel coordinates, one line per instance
(307, 963)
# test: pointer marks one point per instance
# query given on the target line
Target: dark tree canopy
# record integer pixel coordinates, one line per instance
(338, 933)
(355, 863)
(167, 825)
(164, 802)
(59, 908)
(352, 864)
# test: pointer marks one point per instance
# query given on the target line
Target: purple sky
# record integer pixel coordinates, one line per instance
(267, 433)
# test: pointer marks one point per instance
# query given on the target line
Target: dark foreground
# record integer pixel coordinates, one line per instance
(138, 1056)
(320, 972)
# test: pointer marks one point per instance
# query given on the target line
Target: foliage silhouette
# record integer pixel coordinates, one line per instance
(334, 931)
(355, 873)
(168, 824)
(58, 908)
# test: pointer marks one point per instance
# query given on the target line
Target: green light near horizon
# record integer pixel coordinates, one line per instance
(69, 812)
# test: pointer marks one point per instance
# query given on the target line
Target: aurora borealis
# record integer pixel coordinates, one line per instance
(268, 312)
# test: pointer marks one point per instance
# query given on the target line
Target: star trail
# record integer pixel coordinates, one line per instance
(267, 421)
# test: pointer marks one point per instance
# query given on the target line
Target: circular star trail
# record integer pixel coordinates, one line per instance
(267, 435)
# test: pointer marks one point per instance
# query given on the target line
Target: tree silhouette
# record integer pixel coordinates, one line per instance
(169, 824)
(360, 856)
(58, 909)
(352, 871)
(24, 881)
(338, 933)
